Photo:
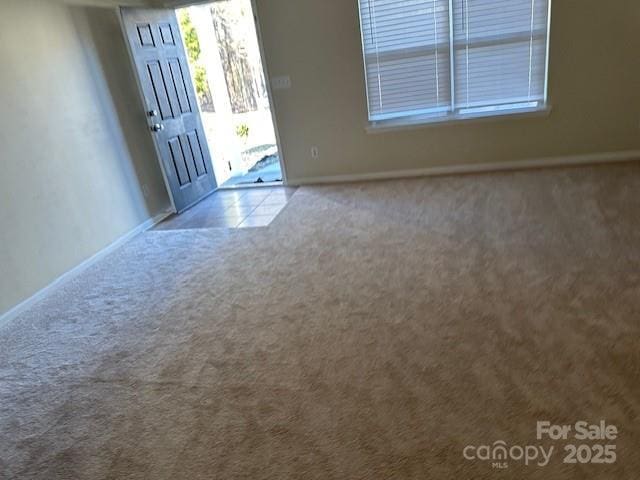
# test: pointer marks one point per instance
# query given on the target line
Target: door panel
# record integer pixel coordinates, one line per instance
(162, 68)
(177, 157)
(179, 84)
(145, 35)
(166, 33)
(160, 90)
(196, 151)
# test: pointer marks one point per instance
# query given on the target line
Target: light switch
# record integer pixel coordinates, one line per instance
(281, 83)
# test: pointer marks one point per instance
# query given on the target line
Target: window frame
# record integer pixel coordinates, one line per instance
(452, 115)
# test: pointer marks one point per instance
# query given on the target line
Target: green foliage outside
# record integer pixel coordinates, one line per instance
(242, 131)
(192, 44)
(200, 79)
(190, 36)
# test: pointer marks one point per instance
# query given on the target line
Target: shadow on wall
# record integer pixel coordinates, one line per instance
(117, 93)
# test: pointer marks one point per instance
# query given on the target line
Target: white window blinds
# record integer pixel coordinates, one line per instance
(453, 57)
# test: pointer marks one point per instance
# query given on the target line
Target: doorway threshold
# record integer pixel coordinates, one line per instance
(240, 186)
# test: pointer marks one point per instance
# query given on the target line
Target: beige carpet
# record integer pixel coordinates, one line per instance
(371, 332)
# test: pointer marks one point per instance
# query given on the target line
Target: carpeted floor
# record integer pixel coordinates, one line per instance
(378, 329)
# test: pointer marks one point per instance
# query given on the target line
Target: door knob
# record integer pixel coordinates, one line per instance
(152, 113)
(157, 127)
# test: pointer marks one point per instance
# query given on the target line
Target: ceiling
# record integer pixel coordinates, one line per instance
(115, 3)
(135, 3)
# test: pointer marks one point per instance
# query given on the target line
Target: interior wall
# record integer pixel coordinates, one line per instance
(593, 87)
(74, 149)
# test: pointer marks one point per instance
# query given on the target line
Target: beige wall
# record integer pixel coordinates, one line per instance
(70, 181)
(594, 82)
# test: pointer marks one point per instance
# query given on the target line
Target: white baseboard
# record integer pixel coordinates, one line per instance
(587, 159)
(24, 305)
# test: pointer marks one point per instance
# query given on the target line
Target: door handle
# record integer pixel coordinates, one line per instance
(157, 127)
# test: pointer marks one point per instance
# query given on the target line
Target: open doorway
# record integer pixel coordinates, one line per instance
(222, 47)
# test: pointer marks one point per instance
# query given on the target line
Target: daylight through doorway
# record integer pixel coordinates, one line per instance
(226, 67)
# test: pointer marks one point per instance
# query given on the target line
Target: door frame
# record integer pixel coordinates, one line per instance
(272, 106)
(188, 3)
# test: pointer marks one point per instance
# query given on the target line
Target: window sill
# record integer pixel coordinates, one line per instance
(409, 123)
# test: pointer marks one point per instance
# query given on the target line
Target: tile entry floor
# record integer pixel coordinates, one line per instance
(240, 208)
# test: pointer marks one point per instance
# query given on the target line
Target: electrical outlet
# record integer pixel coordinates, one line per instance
(314, 152)
(281, 83)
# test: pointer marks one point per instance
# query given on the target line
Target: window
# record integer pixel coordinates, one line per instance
(453, 59)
